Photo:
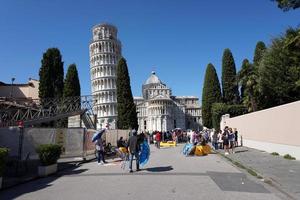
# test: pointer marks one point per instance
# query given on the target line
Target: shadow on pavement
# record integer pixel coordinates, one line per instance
(160, 169)
(38, 184)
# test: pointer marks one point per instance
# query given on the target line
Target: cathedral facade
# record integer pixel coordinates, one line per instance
(158, 110)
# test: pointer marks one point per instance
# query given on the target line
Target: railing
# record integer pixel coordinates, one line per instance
(35, 111)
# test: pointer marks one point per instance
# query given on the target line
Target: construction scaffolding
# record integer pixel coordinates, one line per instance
(36, 111)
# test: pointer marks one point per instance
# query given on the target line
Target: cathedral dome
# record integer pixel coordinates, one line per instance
(152, 79)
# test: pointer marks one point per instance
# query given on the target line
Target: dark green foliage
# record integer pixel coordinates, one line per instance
(229, 80)
(51, 74)
(255, 96)
(219, 109)
(3, 155)
(260, 49)
(248, 82)
(71, 89)
(288, 4)
(243, 75)
(72, 84)
(279, 71)
(248, 78)
(289, 157)
(211, 94)
(275, 154)
(49, 153)
(127, 115)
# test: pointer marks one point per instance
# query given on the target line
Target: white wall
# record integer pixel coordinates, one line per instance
(274, 130)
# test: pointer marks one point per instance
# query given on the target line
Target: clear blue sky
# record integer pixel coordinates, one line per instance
(176, 38)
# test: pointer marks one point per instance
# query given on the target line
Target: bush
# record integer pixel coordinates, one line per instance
(219, 109)
(289, 157)
(275, 154)
(3, 155)
(49, 153)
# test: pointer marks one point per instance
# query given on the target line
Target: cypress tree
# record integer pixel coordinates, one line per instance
(127, 115)
(260, 49)
(51, 74)
(257, 98)
(72, 84)
(229, 79)
(211, 94)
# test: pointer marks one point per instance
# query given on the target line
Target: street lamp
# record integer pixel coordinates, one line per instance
(12, 88)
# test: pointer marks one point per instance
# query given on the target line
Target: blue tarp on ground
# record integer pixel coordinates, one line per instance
(187, 149)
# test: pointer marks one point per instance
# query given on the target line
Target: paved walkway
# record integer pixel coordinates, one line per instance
(281, 173)
(32, 172)
(169, 175)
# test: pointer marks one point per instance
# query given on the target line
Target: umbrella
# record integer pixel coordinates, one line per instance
(98, 134)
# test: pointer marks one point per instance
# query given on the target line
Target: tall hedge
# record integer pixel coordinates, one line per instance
(211, 94)
(219, 109)
(229, 79)
(127, 115)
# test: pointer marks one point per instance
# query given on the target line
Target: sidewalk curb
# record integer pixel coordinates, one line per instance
(255, 173)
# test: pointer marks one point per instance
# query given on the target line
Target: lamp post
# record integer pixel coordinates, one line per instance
(12, 88)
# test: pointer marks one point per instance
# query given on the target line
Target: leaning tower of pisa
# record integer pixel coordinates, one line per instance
(105, 52)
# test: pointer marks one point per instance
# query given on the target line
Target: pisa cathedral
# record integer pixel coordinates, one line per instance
(157, 109)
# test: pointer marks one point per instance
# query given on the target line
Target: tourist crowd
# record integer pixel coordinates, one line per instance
(226, 139)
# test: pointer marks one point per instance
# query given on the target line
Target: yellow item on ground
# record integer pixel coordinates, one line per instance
(202, 150)
(206, 149)
(123, 149)
(168, 144)
(199, 151)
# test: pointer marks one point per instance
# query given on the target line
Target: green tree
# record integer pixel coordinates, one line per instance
(127, 115)
(259, 51)
(71, 89)
(211, 94)
(254, 96)
(51, 74)
(248, 83)
(229, 79)
(220, 109)
(279, 70)
(288, 4)
(72, 84)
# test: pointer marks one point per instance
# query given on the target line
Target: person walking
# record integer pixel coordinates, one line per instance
(225, 140)
(158, 139)
(100, 152)
(133, 149)
(231, 139)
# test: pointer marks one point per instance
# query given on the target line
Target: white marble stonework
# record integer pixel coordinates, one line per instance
(105, 52)
(158, 110)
